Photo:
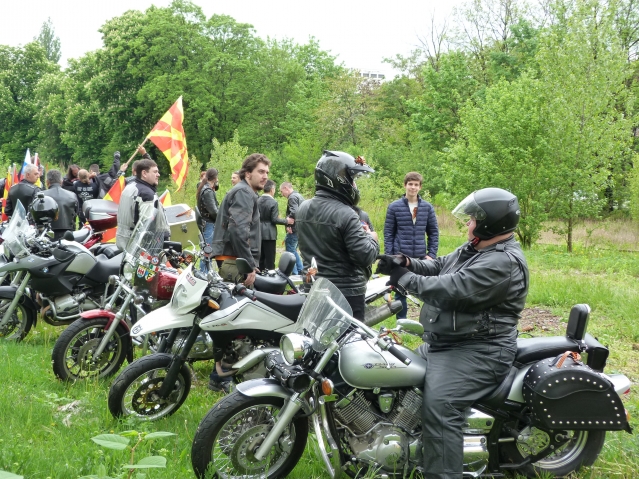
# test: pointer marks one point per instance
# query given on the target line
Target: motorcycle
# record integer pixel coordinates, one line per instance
(68, 276)
(363, 396)
(244, 324)
(97, 344)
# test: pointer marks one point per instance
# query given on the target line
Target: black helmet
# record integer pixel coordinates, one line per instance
(336, 173)
(496, 212)
(44, 209)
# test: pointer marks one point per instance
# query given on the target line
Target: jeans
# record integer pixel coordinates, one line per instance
(291, 247)
(207, 232)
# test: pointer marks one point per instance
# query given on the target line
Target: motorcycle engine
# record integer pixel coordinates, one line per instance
(238, 349)
(202, 349)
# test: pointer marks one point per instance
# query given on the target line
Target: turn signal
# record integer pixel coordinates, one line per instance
(327, 387)
(627, 415)
(213, 305)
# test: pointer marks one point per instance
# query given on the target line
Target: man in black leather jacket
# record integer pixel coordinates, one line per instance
(24, 191)
(269, 219)
(472, 302)
(237, 227)
(330, 230)
(67, 204)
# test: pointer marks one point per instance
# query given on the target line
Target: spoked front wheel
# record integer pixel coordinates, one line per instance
(135, 392)
(19, 323)
(226, 440)
(73, 355)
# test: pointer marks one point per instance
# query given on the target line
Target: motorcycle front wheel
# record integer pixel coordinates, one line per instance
(135, 391)
(227, 438)
(72, 355)
(20, 322)
(581, 450)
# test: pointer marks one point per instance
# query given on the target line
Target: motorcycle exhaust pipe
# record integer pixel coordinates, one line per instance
(376, 315)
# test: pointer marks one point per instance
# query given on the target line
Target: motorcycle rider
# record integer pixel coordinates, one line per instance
(138, 198)
(330, 229)
(25, 191)
(67, 204)
(473, 298)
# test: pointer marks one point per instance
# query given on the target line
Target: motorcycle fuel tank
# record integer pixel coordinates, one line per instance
(83, 260)
(247, 314)
(365, 366)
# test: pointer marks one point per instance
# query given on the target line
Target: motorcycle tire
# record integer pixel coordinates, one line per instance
(133, 393)
(20, 323)
(580, 451)
(234, 425)
(72, 357)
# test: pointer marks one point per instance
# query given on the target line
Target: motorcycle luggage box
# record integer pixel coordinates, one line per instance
(181, 219)
(101, 214)
(564, 393)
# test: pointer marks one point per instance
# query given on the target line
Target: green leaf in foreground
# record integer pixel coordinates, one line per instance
(111, 441)
(9, 475)
(155, 435)
(147, 463)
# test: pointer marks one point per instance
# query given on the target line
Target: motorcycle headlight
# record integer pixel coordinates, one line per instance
(295, 348)
(128, 271)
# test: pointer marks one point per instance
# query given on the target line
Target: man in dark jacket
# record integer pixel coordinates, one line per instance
(106, 180)
(473, 298)
(294, 200)
(269, 219)
(67, 204)
(330, 229)
(138, 198)
(24, 191)
(237, 227)
(408, 221)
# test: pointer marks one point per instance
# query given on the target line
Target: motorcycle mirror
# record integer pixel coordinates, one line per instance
(68, 235)
(243, 267)
(177, 246)
(410, 326)
(50, 234)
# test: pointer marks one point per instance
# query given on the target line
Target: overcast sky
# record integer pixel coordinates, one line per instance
(359, 33)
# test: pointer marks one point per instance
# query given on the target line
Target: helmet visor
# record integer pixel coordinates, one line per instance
(468, 208)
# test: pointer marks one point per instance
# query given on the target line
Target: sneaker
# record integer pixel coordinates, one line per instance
(221, 386)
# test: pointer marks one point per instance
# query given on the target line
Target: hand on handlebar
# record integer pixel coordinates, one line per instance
(250, 278)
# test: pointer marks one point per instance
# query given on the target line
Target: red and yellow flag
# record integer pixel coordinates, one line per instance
(165, 199)
(168, 136)
(7, 185)
(114, 195)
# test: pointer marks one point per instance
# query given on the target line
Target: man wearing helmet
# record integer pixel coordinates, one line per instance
(473, 298)
(330, 230)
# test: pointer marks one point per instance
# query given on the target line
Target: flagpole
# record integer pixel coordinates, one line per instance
(135, 153)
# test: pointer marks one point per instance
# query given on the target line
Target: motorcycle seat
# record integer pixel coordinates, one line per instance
(81, 235)
(495, 399)
(104, 268)
(288, 306)
(270, 284)
(530, 350)
(108, 250)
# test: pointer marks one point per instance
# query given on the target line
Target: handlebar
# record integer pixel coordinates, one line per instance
(244, 291)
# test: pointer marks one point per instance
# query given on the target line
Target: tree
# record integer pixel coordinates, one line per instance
(227, 157)
(49, 41)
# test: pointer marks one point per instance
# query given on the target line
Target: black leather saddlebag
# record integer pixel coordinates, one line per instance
(564, 393)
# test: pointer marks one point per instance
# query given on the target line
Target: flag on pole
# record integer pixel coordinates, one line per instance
(168, 136)
(165, 198)
(27, 161)
(16, 177)
(7, 186)
(116, 190)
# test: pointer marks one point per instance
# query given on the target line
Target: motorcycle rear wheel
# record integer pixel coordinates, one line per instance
(20, 322)
(580, 451)
(72, 355)
(229, 434)
(134, 391)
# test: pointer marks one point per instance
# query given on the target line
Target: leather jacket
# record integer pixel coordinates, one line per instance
(207, 204)
(330, 231)
(269, 217)
(137, 195)
(294, 201)
(67, 207)
(23, 192)
(237, 227)
(468, 292)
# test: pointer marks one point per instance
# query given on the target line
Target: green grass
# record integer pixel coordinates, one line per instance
(40, 440)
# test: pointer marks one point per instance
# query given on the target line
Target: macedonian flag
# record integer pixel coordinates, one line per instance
(168, 136)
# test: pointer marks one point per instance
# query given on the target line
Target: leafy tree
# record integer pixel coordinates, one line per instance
(49, 41)
(227, 157)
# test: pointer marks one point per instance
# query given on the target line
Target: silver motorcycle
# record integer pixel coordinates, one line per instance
(362, 395)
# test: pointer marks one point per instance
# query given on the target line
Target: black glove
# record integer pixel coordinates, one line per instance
(116, 156)
(388, 262)
(396, 273)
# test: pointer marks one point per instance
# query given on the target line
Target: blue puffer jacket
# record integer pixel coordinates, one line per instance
(402, 236)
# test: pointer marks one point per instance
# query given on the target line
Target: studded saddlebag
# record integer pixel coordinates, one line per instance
(564, 393)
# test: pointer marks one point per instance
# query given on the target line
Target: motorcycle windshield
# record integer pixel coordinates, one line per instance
(145, 245)
(15, 234)
(325, 315)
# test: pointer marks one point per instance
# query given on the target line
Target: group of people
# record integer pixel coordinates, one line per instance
(472, 297)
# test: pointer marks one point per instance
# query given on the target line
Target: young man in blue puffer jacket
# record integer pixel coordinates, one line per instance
(409, 220)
